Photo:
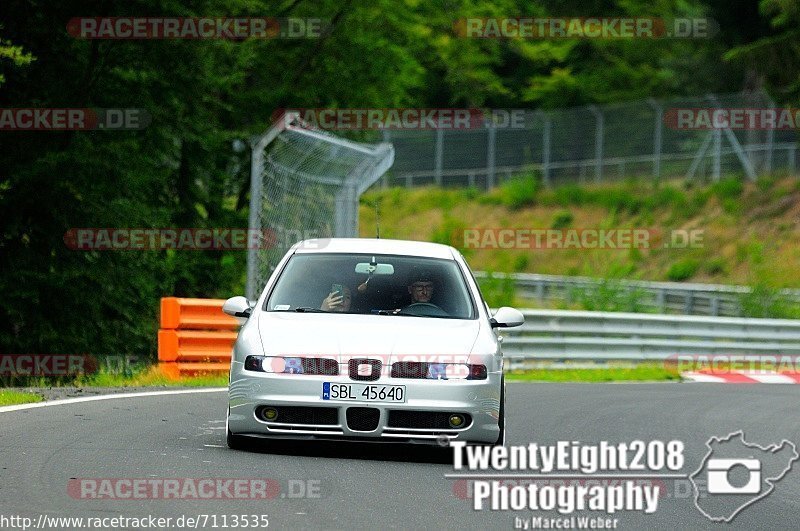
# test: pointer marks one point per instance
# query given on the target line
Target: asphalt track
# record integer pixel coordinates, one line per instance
(376, 486)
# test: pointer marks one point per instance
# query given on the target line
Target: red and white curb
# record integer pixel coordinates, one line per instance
(770, 377)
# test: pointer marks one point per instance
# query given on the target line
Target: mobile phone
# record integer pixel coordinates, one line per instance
(338, 289)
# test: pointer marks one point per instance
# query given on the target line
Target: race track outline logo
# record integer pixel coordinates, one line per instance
(731, 457)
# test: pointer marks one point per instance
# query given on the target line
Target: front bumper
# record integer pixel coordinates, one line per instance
(479, 399)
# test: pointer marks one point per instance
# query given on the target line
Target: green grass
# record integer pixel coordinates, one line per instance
(144, 376)
(683, 269)
(515, 193)
(149, 377)
(10, 398)
(745, 231)
(645, 372)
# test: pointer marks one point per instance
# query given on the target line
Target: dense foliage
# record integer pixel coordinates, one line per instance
(183, 170)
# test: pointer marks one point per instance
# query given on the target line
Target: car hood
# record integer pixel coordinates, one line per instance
(393, 338)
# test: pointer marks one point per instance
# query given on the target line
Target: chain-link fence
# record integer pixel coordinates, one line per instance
(305, 183)
(596, 144)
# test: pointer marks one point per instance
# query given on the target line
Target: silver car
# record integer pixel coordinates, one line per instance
(370, 340)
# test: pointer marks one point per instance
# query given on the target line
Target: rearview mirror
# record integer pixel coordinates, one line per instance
(237, 307)
(374, 269)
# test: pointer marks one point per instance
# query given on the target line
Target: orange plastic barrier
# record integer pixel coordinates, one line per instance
(195, 337)
(195, 345)
(198, 314)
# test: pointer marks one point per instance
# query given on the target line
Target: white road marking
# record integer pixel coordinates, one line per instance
(700, 377)
(768, 377)
(65, 401)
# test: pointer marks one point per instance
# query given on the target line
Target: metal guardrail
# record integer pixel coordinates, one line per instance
(660, 297)
(552, 335)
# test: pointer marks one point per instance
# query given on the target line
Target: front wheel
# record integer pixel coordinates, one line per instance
(235, 442)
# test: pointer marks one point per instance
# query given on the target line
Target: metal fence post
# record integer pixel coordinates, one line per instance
(714, 306)
(743, 157)
(717, 154)
(688, 303)
(546, 150)
(490, 154)
(387, 137)
(598, 143)
(657, 137)
(254, 222)
(439, 157)
(770, 139)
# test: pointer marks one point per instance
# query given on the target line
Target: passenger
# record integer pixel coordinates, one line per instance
(338, 303)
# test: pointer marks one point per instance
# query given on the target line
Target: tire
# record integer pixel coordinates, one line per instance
(235, 442)
(501, 420)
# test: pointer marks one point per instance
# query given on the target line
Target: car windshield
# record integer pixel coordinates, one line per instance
(372, 284)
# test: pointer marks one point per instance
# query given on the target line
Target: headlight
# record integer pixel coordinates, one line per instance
(438, 371)
(292, 365)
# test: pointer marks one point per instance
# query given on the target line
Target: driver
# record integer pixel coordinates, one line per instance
(421, 288)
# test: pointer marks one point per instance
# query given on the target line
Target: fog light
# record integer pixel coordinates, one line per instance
(269, 413)
(456, 421)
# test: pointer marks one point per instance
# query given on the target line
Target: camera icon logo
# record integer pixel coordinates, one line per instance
(736, 473)
(719, 471)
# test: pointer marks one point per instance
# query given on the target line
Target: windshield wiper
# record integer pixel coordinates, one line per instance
(309, 310)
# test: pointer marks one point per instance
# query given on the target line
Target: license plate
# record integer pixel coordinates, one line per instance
(363, 392)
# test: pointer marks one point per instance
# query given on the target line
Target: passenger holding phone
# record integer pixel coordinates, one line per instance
(338, 300)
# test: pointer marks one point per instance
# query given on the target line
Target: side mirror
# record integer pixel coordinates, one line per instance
(507, 317)
(237, 307)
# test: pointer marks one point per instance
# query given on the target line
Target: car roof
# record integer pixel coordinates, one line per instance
(376, 246)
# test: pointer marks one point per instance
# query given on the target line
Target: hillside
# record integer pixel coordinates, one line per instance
(749, 233)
